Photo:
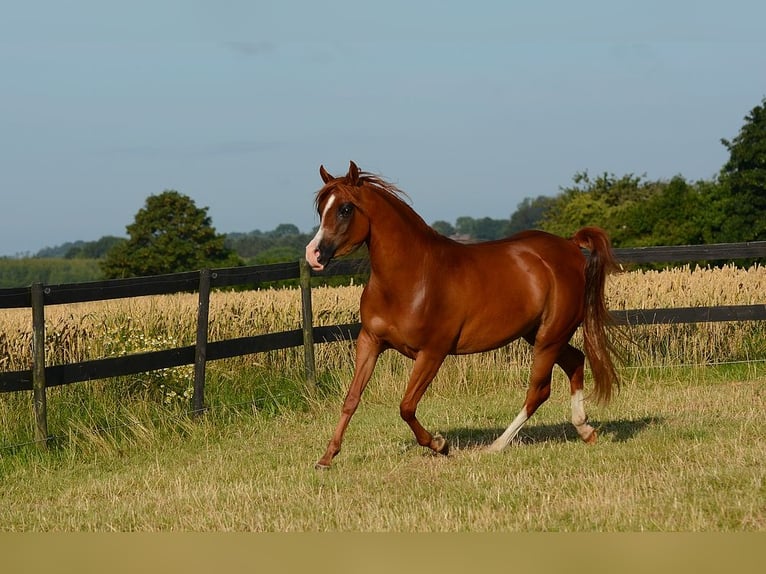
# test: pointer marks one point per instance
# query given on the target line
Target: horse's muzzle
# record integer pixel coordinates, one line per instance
(319, 255)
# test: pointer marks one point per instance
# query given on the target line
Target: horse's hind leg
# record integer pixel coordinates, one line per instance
(572, 361)
(545, 357)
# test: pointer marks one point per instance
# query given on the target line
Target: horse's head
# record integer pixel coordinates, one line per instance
(343, 226)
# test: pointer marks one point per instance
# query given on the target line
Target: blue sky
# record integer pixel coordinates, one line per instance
(468, 107)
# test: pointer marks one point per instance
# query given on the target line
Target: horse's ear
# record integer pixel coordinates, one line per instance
(326, 177)
(353, 174)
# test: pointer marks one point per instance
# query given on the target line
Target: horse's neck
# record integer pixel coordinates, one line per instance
(399, 241)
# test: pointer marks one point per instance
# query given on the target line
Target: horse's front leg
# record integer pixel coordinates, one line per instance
(368, 348)
(423, 372)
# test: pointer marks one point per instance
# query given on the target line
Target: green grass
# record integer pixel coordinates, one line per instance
(679, 449)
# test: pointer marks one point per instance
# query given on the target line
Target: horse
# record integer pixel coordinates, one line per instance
(429, 296)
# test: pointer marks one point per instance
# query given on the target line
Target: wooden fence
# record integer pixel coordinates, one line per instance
(38, 296)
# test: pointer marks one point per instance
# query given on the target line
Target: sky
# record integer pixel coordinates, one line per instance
(469, 107)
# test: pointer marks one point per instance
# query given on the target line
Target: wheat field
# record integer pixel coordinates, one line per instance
(95, 330)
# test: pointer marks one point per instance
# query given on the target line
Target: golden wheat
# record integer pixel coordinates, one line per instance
(687, 287)
(88, 331)
(700, 343)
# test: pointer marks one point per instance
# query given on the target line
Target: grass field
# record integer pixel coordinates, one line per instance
(678, 450)
(681, 446)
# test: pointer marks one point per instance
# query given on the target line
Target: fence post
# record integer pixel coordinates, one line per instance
(308, 324)
(38, 365)
(200, 349)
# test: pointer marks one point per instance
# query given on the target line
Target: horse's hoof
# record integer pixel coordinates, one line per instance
(440, 445)
(592, 438)
(321, 466)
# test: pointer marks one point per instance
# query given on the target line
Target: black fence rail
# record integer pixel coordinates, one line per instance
(38, 296)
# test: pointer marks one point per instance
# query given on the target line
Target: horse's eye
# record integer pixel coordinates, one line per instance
(345, 210)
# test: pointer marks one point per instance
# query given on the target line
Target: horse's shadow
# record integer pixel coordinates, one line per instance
(621, 430)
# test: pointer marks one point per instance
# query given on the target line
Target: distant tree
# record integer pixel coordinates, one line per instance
(279, 254)
(601, 201)
(23, 272)
(712, 211)
(487, 228)
(285, 230)
(444, 227)
(743, 177)
(529, 214)
(674, 214)
(482, 229)
(93, 249)
(279, 244)
(59, 251)
(248, 245)
(465, 225)
(169, 234)
(573, 211)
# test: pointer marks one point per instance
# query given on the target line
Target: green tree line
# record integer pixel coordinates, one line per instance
(170, 233)
(638, 212)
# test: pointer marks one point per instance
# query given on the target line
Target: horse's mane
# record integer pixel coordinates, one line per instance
(388, 191)
(375, 181)
(385, 187)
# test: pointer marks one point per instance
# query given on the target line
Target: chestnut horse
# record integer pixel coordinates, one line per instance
(429, 296)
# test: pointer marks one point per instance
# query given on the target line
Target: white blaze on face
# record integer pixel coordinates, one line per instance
(312, 249)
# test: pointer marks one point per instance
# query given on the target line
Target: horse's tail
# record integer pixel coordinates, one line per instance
(598, 347)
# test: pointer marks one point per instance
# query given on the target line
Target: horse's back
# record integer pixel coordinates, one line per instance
(531, 249)
(506, 288)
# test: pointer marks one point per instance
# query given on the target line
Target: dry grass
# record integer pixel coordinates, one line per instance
(681, 448)
(680, 452)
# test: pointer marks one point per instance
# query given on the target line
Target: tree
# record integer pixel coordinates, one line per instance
(572, 211)
(278, 254)
(744, 181)
(169, 234)
(529, 213)
(285, 242)
(92, 249)
(674, 214)
(465, 225)
(285, 230)
(487, 228)
(601, 201)
(483, 229)
(444, 227)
